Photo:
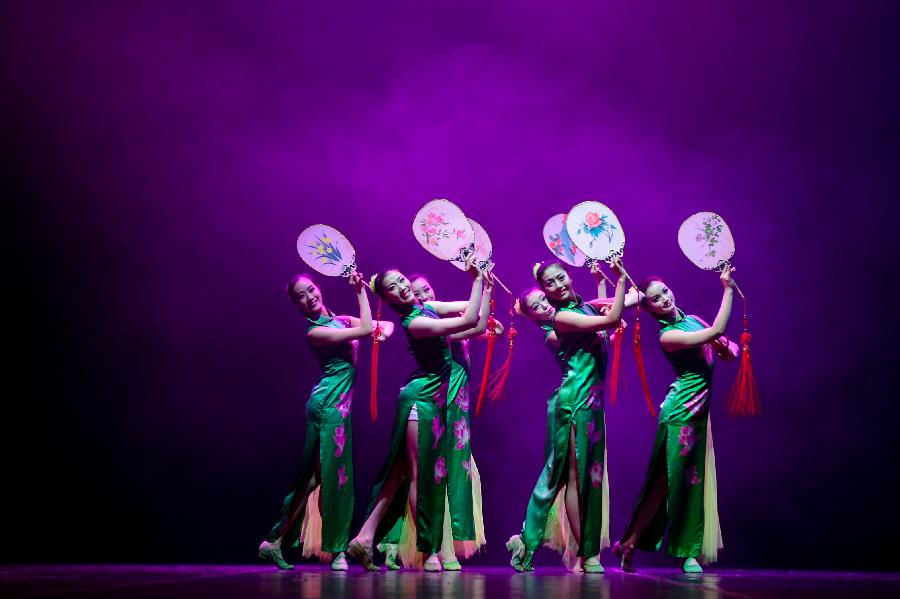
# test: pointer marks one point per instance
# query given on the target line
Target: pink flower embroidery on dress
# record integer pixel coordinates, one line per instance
(687, 440)
(691, 475)
(462, 398)
(467, 466)
(437, 429)
(440, 469)
(595, 399)
(343, 406)
(461, 430)
(596, 474)
(594, 435)
(342, 477)
(339, 440)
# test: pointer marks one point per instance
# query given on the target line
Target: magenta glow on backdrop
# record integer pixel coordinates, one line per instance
(163, 157)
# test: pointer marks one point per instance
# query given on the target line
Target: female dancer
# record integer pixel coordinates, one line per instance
(682, 468)
(327, 452)
(418, 475)
(463, 518)
(577, 461)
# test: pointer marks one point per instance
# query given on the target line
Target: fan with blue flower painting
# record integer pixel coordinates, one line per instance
(326, 250)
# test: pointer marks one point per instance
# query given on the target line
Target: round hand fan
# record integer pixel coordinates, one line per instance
(706, 240)
(484, 249)
(596, 231)
(558, 241)
(327, 251)
(442, 229)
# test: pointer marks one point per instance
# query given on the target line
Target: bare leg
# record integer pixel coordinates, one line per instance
(298, 505)
(573, 492)
(650, 503)
(398, 473)
(412, 456)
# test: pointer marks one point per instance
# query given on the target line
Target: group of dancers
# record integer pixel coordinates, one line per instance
(425, 509)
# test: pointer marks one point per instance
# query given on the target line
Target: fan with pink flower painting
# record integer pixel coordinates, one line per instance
(558, 241)
(595, 230)
(706, 240)
(327, 251)
(444, 231)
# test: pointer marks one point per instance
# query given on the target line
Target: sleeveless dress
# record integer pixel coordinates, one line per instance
(684, 447)
(579, 405)
(427, 388)
(328, 437)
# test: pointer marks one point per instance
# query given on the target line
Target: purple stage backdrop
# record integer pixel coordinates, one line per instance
(161, 159)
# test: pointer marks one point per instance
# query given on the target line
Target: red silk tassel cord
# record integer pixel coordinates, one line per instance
(614, 370)
(373, 393)
(489, 355)
(743, 397)
(639, 360)
(498, 380)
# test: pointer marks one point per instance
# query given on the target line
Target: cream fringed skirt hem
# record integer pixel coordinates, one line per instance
(712, 534)
(311, 532)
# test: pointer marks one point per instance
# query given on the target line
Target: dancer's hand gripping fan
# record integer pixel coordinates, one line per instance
(327, 251)
(706, 240)
(596, 231)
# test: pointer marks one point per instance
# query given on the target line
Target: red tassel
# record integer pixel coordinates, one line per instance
(373, 392)
(501, 375)
(614, 370)
(489, 355)
(639, 359)
(743, 398)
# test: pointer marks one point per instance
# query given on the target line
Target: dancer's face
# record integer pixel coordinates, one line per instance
(557, 284)
(307, 297)
(397, 289)
(422, 290)
(660, 299)
(538, 307)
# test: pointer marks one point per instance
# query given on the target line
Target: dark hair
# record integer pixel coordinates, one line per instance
(290, 286)
(539, 273)
(644, 285)
(415, 276)
(378, 288)
(523, 300)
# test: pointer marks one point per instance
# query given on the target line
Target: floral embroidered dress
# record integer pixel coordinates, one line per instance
(328, 432)
(463, 518)
(427, 389)
(684, 447)
(579, 405)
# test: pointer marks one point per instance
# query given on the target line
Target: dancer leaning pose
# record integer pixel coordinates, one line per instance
(680, 487)
(463, 517)
(326, 470)
(577, 460)
(415, 471)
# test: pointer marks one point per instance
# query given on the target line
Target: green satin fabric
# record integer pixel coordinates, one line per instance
(459, 451)
(579, 406)
(680, 448)
(427, 388)
(328, 437)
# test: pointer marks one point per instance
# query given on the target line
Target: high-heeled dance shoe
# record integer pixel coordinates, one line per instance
(433, 563)
(272, 552)
(625, 552)
(360, 552)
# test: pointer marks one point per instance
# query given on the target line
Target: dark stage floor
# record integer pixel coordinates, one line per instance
(315, 582)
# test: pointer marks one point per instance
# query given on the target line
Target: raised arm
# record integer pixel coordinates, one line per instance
(675, 340)
(485, 312)
(363, 326)
(568, 322)
(434, 327)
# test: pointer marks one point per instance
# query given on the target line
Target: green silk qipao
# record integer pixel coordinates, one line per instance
(579, 405)
(328, 437)
(683, 446)
(427, 388)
